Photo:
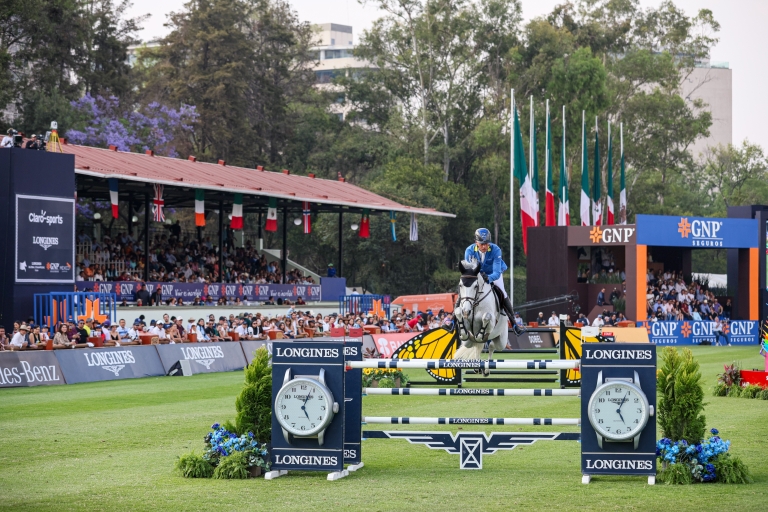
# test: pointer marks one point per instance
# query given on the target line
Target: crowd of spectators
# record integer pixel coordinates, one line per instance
(669, 297)
(293, 324)
(175, 259)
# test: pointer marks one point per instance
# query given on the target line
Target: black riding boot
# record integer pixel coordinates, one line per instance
(507, 305)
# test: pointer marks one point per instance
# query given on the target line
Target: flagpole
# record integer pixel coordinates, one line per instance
(511, 288)
(531, 149)
(546, 167)
(564, 186)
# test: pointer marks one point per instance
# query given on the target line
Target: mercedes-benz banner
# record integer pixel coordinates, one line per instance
(45, 239)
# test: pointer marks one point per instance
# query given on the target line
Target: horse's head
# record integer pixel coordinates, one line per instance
(469, 272)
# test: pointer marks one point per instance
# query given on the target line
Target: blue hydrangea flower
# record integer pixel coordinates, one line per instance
(715, 431)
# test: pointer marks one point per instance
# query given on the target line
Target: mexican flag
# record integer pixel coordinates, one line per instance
(585, 199)
(199, 207)
(597, 205)
(520, 171)
(609, 220)
(237, 212)
(549, 201)
(534, 170)
(623, 192)
(272, 215)
(563, 213)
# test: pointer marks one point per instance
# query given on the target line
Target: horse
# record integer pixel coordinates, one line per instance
(478, 315)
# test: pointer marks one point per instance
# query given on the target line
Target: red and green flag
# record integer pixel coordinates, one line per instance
(549, 200)
(584, 206)
(564, 212)
(199, 207)
(520, 171)
(609, 219)
(272, 215)
(237, 212)
(365, 224)
(597, 205)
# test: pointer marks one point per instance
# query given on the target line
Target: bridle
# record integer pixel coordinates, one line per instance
(474, 301)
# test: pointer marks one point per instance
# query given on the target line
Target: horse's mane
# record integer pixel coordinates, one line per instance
(469, 271)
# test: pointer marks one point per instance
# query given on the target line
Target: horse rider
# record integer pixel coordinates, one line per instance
(491, 266)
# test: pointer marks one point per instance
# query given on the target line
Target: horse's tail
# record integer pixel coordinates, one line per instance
(472, 352)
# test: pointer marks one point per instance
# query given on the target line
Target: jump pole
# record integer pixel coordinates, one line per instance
(403, 420)
(498, 364)
(471, 392)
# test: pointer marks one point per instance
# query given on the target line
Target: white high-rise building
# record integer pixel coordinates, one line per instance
(712, 82)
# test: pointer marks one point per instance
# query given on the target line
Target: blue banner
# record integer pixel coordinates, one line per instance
(29, 368)
(693, 332)
(92, 365)
(189, 291)
(703, 232)
(204, 357)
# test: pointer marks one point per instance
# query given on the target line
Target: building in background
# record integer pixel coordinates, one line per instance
(711, 82)
(334, 57)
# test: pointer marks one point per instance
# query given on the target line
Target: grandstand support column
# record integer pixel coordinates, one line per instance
(284, 252)
(261, 233)
(341, 242)
(221, 241)
(131, 207)
(146, 237)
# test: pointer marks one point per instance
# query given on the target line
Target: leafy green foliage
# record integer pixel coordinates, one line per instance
(254, 404)
(232, 467)
(763, 394)
(731, 469)
(675, 474)
(681, 396)
(192, 465)
(751, 391)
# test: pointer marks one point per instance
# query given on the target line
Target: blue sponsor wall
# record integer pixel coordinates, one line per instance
(189, 291)
(693, 332)
(698, 232)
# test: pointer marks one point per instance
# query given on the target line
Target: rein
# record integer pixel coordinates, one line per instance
(474, 301)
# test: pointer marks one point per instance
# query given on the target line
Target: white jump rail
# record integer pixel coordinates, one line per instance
(498, 364)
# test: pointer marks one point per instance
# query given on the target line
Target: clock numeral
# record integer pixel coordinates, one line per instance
(293, 424)
(311, 425)
(303, 387)
(287, 396)
(285, 417)
(601, 400)
(618, 431)
(637, 421)
(319, 418)
(322, 407)
(293, 390)
(608, 429)
(607, 393)
(597, 410)
(637, 400)
(282, 406)
(639, 410)
(321, 397)
(599, 421)
(303, 427)
(617, 390)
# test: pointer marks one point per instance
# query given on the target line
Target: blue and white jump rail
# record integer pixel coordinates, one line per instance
(434, 364)
(470, 446)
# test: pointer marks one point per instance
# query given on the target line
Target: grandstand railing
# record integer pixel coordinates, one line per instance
(363, 304)
(54, 307)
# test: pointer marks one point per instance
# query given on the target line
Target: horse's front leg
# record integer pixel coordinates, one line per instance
(460, 320)
(482, 337)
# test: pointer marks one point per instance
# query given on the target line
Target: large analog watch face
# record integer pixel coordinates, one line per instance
(304, 407)
(618, 410)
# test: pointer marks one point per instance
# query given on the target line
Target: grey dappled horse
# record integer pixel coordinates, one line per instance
(478, 315)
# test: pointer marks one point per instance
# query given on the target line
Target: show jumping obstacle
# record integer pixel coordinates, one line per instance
(469, 445)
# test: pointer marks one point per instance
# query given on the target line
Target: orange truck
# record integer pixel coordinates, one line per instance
(435, 302)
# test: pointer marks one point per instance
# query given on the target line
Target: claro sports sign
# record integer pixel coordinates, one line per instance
(699, 232)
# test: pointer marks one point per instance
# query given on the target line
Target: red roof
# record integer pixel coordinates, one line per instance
(107, 163)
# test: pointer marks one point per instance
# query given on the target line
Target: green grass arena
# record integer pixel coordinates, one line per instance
(112, 446)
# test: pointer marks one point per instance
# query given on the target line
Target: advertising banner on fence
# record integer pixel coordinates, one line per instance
(91, 365)
(693, 332)
(250, 346)
(189, 291)
(704, 232)
(30, 368)
(45, 239)
(204, 357)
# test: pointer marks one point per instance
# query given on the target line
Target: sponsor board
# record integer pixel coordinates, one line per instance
(190, 291)
(699, 232)
(531, 339)
(92, 365)
(29, 368)
(694, 332)
(250, 346)
(45, 239)
(204, 357)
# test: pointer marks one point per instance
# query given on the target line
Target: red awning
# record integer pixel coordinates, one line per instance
(107, 163)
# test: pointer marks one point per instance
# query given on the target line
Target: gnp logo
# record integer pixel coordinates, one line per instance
(213, 290)
(742, 331)
(611, 235)
(703, 233)
(103, 287)
(126, 288)
(663, 333)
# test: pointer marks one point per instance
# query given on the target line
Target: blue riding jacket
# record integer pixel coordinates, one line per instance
(493, 265)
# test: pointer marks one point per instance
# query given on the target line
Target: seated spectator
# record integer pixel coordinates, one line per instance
(553, 321)
(20, 340)
(4, 341)
(598, 322)
(541, 320)
(61, 340)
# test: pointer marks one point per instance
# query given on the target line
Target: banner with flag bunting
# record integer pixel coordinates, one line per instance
(597, 189)
(563, 213)
(392, 223)
(158, 204)
(549, 199)
(609, 214)
(365, 224)
(113, 197)
(271, 224)
(199, 207)
(585, 204)
(307, 215)
(237, 212)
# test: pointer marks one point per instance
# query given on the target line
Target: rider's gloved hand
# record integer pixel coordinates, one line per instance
(485, 276)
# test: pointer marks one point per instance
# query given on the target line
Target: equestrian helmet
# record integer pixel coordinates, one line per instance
(483, 236)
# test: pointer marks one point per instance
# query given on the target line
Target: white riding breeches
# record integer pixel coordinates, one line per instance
(500, 283)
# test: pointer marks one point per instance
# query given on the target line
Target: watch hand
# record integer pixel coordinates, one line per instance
(303, 408)
(623, 400)
(620, 416)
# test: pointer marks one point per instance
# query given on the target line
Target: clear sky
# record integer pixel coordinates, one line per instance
(743, 43)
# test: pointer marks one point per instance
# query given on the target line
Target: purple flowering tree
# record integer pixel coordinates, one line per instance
(108, 122)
